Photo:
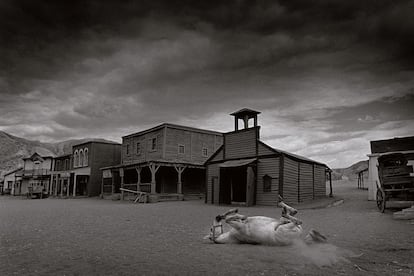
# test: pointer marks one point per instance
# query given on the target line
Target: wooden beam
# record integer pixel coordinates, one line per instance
(153, 168)
(179, 170)
(138, 169)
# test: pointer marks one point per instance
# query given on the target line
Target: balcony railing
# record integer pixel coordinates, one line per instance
(37, 172)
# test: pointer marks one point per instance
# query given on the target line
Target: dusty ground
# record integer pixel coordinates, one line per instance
(104, 237)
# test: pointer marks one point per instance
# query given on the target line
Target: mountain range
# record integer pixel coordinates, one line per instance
(13, 149)
(350, 173)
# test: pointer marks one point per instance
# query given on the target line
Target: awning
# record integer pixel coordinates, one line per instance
(237, 163)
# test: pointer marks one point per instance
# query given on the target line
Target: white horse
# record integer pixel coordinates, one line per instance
(260, 229)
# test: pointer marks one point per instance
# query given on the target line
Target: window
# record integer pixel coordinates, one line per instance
(205, 152)
(57, 166)
(127, 149)
(153, 144)
(80, 158)
(181, 149)
(66, 165)
(85, 157)
(138, 148)
(267, 183)
(75, 159)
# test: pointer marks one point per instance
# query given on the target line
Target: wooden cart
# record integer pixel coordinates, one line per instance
(36, 192)
(396, 183)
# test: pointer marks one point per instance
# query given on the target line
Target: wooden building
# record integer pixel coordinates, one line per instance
(12, 182)
(36, 172)
(165, 161)
(403, 145)
(246, 171)
(62, 176)
(79, 174)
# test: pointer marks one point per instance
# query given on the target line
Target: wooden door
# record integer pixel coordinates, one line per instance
(250, 187)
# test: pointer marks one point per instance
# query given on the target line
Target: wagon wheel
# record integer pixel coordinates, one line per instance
(380, 200)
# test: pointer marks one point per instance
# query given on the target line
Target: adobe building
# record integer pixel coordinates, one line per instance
(246, 171)
(79, 174)
(166, 161)
(404, 145)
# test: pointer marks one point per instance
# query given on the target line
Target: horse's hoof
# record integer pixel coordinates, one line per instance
(316, 236)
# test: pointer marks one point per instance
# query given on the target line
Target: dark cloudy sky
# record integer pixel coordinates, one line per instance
(328, 76)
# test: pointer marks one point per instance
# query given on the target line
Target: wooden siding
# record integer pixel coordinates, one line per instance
(290, 181)
(270, 167)
(145, 143)
(213, 170)
(263, 150)
(320, 181)
(305, 182)
(194, 142)
(219, 156)
(241, 144)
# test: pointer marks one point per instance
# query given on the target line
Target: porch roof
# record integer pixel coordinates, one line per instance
(158, 162)
(237, 163)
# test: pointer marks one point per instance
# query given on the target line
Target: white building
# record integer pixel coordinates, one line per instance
(12, 181)
(403, 145)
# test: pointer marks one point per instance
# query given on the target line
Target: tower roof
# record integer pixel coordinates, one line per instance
(245, 111)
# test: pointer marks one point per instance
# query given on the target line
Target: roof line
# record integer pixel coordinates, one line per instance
(172, 126)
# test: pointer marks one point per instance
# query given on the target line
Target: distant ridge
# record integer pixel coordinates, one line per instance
(351, 172)
(13, 149)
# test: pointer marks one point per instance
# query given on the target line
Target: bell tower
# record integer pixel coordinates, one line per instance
(245, 115)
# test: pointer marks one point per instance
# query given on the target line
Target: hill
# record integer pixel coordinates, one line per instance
(351, 172)
(13, 149)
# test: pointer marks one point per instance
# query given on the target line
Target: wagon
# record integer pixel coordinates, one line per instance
(396, 182)
(35, 192)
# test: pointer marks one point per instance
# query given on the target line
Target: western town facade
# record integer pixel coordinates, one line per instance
(166, 161)
(78, 173)
(246, 171)
(36, 173)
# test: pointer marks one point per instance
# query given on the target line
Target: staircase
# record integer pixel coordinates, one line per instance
(193, 196)
(170, 197)
(407, 213)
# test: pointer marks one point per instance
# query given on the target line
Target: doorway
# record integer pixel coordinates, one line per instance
(233, 185)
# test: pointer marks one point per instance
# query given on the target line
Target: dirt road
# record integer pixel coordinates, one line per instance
(102, 237)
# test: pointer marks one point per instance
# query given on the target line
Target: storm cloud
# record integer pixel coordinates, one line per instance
(328, 76)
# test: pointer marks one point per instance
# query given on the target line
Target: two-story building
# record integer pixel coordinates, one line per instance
(165, 161)
(36, 172)
(62, 176)
(248, 172)
(79, 174)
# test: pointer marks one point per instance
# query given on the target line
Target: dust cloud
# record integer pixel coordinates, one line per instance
(320, 254)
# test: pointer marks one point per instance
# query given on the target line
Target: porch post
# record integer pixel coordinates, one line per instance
(154, 168)
(51, 184)
(61, 186)
(179, 170)
(121, 174)
(138, 169)
(102, 186)
(55, 184)
(330, 183)
(67, 188)
(74, 186)
(113, 183)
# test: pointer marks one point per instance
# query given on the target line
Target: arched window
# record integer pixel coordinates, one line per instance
(75, 159)
(86, 157)
(80, 158)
